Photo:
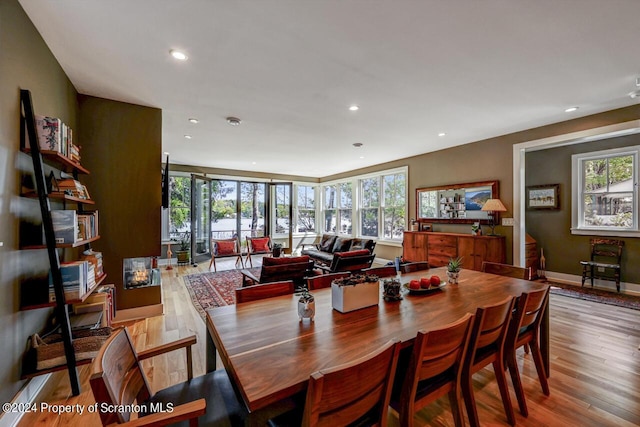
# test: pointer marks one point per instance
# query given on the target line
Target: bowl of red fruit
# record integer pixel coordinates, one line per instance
(424, 285)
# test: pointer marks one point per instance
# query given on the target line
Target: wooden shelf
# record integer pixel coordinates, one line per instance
(61, 196)
(99, 281)
(59, 161)
(64, 245)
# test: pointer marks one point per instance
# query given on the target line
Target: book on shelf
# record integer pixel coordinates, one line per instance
(88, 225)
(77, 278)
(65, 226)
(94, 258)
(54, 135)
(73, 188)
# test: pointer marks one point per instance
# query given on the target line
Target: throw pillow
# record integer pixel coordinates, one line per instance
(285, 260)
(356, 244)
(225, 247)
(342, 244)
(326, 244)
(260, 245)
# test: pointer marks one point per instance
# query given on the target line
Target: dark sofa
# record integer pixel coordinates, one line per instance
(330, 244)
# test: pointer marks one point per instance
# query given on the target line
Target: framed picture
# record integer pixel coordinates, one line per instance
(543, 196)
(426, 226)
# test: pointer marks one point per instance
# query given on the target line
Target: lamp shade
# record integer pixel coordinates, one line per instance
(494, 205)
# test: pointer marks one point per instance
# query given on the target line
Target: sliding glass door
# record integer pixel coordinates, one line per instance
(200, 218)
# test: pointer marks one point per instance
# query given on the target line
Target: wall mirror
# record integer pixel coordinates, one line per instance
(457, 203)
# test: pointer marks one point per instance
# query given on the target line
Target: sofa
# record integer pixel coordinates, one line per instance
(330, 244)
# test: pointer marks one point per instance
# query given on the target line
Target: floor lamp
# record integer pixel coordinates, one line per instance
(492, 206)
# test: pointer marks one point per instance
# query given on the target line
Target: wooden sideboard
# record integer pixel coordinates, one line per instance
(437, 248)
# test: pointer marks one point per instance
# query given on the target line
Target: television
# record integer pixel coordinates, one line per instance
(165, 184)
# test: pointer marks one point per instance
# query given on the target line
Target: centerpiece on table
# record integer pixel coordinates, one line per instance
(453, 269)
(355, 292)
(306, 303)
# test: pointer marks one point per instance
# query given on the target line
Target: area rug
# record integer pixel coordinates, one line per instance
(595, 295)
(211, 289)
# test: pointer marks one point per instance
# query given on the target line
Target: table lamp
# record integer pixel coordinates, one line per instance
(492, 206)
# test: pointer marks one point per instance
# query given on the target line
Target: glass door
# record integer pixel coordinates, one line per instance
(281, 214)
(200, 218)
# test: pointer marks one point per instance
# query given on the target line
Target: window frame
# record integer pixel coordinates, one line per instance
(578, 193)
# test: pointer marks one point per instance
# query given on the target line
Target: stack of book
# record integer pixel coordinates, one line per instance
(103, 300)
(88, 225)
(73, 188)
(54, 135)
(95, 258)
(77, 278)
(70, 226)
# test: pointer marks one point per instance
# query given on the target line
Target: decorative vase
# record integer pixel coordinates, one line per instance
(306, 307)
(452, 276)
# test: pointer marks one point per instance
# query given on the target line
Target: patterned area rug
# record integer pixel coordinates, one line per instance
(595, 295)
(211, 289)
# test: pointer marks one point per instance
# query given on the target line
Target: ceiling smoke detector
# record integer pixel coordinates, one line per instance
(233, 121)
(358, 144)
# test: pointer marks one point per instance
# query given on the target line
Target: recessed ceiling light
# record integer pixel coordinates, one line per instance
(192, 120)
(187, 137)
(354, 108)
(233, 121)
(362, 157)
(357, 144)
(571, 109)
(253, 163)
(180, 56)
(441, 134)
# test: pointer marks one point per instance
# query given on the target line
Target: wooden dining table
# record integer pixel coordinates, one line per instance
(269, 353)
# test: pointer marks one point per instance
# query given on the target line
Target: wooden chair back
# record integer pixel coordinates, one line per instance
(323, 280)
(262, 291)
(437, 353)
(386, 271)
(217, 250)
(295, 271)
(252, 250)
(341, 395)
(491, 325)
(414, 266)
(606, 250)
(117, 378)
(507, 270)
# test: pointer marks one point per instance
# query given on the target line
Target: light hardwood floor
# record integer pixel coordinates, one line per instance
(595, 367)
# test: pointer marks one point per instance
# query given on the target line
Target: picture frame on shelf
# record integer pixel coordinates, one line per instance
(425, 226)
(543, 197)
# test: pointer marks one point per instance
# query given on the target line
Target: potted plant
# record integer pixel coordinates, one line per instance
(306, 303)
(453, 269)
(185, 245)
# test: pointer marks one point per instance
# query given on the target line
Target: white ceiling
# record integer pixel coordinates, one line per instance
(291, 68)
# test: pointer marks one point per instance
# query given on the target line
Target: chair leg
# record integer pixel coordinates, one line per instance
(592, 272)
(501, 378)
(617, 276)
(455, 400)
(542, 373)
(469, 399)
(249, 259)
(584, 274)
(213, 261)
(512, 365)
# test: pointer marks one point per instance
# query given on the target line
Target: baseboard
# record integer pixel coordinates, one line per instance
(137, 313)
(26, 397)
(605, 285)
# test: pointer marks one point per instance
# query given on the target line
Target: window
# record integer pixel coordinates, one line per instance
(346, 197)
(306, 209)
(370, 206)
(604, 192)
(330, 202)
(179, 205)
(394, 210)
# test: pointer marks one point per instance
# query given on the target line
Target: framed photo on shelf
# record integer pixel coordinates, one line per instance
(543, 196)
(426, 226)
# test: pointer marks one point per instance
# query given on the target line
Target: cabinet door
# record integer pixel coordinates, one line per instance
(466, 250)
(414, 247)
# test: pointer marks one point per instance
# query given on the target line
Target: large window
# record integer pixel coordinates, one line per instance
(372, 205)
(179, 206)
(604, 191)
(306, 209)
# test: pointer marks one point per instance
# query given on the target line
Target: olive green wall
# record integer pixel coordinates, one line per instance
(123, 143)
(562, 250)
(485, 160)
(25, 63)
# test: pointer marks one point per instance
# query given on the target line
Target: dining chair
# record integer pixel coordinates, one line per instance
(258, 246)
(525, 330)
(120, 386)
(356, 393)
(414, 266)
(487, 346)
(324, 280)
(506, 270)
(386, 271)
(605, 260)
(262, 291)
(434, 369)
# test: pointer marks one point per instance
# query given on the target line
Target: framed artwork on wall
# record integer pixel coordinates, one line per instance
(543, 196)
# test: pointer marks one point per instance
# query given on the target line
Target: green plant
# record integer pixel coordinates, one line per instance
(454, 265)
(185, 241)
